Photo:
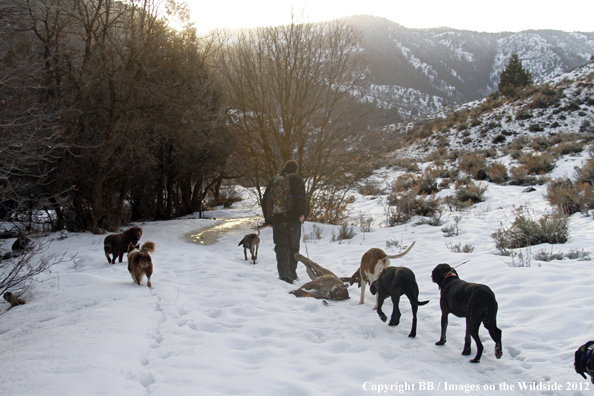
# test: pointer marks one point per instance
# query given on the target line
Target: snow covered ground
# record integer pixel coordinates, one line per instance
(214, 324)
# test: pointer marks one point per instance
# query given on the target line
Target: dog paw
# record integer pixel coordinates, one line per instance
(394, 322)
(383, 317)
(498, 351)
(440, 342)
(412, 335)
(475, 360)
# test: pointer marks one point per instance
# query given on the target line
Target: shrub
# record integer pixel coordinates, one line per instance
(545, 99)
(475, 165)
(20, 271)
(544, 255)
(345, 231)
(499, 139)
(406, 204)
(537, 164)
(540, 143)
(470, 192)
(407, 164)
(452, 230)
(585, 174)
(497, 173)
(329, 207)
(521, 177)
(365, 222)
(525, 231)
(523, 115)
(518, 143)
(317, 233)
(568, 197)
(427, 182)
(573, 254)
(458, 248)
(566, 148)
(371, 187)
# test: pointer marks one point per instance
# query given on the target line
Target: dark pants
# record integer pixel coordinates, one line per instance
(286, 238)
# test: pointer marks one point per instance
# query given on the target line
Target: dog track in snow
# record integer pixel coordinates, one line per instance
(146, 378)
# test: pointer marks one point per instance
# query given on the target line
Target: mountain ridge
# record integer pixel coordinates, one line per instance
(444, 66)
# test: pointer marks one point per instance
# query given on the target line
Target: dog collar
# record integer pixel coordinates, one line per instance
(448, 275)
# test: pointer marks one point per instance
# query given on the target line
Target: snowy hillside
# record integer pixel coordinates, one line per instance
(562, 104)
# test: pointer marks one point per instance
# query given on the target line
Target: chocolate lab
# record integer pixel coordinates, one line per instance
(117, 244)
(584, 360)
(473, 301)
(394, 282)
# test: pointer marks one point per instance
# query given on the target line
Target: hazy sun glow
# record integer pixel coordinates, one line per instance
(497, 16)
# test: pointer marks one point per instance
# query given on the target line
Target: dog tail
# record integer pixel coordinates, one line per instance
(422, 302)
(148, 247)
(401, 254)
(356, 278)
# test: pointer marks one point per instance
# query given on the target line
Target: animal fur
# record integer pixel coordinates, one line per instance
(117, 244)
(140, 262)
(324, 284)
(13, 300)
(584, 360)
(251, 242)
(473, 301)
(372, 264)
(394, 282)
(21, 243)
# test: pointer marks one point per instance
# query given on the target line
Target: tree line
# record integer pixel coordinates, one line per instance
(108, 114)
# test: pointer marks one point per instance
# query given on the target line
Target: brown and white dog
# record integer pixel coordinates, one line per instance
(117, 244)
(373, 263)
(140, 262)
(251, 242)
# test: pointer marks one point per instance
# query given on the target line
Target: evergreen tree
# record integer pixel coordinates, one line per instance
(514, 76)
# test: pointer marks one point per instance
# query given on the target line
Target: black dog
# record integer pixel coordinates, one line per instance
(584, 360)
(472, 301)
(394, 282)
(251, 242)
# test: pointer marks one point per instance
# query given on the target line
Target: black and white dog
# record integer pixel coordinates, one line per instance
(584, 360)
(251, 242)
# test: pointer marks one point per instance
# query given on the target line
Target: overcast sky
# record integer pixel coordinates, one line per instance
(482, 16)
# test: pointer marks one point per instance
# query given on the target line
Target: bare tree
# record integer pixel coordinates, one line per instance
(31, 139)
(144, 125)
(293, 90)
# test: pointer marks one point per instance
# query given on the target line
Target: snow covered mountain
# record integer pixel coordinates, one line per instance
(416, 71)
